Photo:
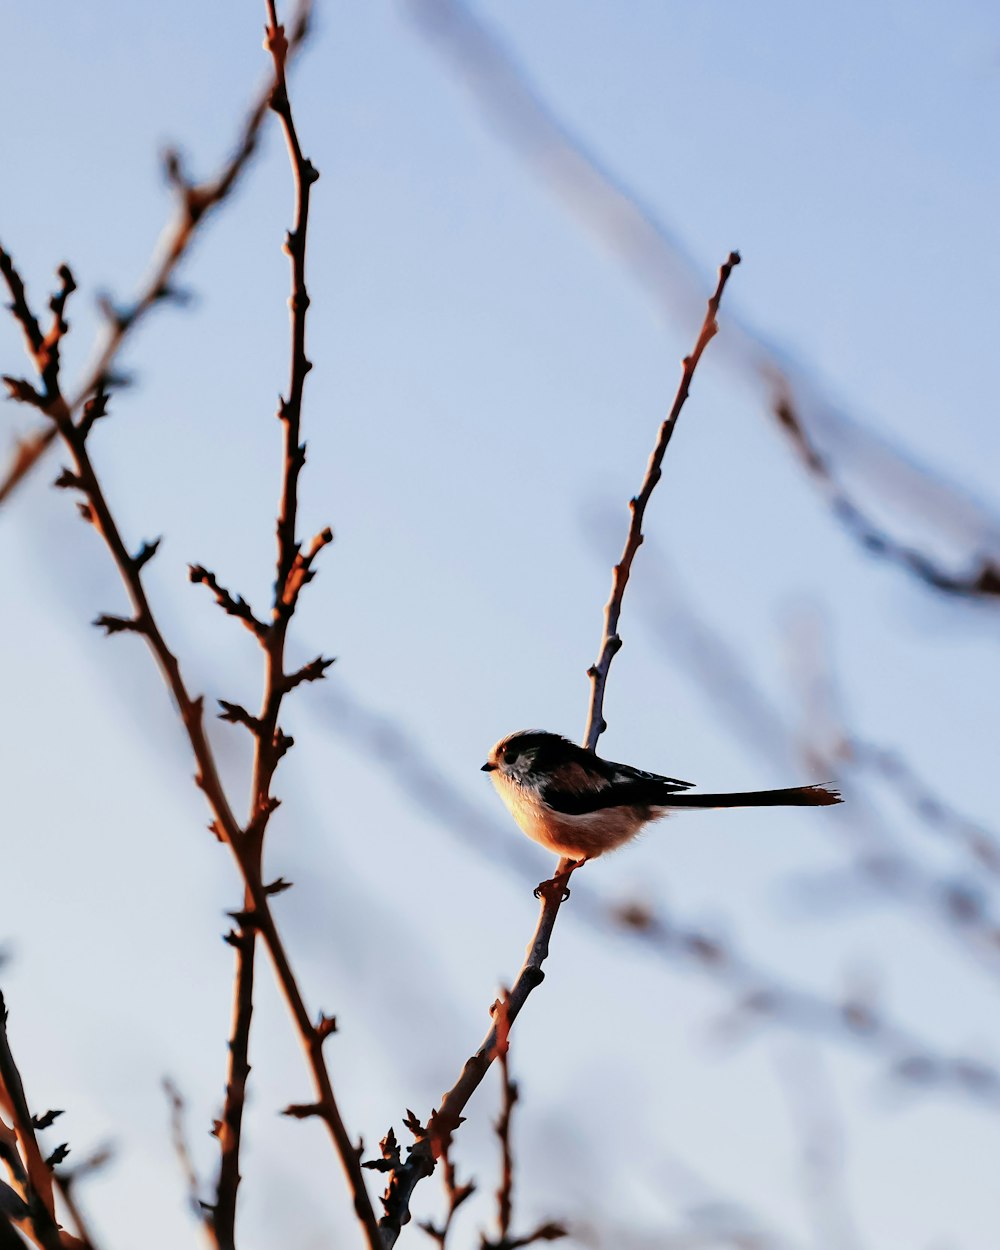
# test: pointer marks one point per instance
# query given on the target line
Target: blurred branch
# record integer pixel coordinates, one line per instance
(178, 1136)
(809, 1094)
(980, 844)
(822, 435)
(958, 907)
(194, 204)
(456, 1194)
(421, 1158)
(505, 1193)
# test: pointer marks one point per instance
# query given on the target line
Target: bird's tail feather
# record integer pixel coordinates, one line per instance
(794, 796)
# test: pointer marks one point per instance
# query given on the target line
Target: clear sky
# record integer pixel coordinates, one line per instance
(488, 384)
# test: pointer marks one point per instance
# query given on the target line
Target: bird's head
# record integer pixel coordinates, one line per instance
(525, 757)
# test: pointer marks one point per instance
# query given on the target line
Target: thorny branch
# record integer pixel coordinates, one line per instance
(657, 260)
(29, 1171)
(194, 203)
(294, 569)
(421, 1158)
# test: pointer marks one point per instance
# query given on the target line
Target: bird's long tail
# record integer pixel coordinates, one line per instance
(794, 796)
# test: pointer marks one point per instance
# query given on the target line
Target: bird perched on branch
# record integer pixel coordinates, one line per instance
(579, 805)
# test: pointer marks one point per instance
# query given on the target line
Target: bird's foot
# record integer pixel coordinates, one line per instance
(559, 883)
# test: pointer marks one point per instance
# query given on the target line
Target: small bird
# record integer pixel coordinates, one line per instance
(579, 805)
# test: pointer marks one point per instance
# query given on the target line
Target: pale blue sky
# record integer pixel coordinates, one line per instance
(488, 384)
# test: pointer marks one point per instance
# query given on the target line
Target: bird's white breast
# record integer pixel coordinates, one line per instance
(579, 837)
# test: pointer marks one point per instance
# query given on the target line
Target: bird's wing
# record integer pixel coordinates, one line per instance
(625, 772)
(621, 791)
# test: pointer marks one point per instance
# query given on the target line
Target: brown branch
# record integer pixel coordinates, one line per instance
(611, 642)
(31, 1174)
(421, 1158)
(229, 1128)
(195, 202)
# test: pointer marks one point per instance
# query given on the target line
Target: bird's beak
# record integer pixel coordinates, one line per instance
(487, 767)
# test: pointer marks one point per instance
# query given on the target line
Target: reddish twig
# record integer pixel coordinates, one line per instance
(611, 642)
(29, 1170)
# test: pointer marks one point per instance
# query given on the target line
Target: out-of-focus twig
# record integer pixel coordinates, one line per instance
(420, 1160)
(809, 1095)
(980, 844)
(958, 906)
(828, 442)
(455, 1191)
(178, 1137)
(67, 1180)
(195, 202)
(549, 1231)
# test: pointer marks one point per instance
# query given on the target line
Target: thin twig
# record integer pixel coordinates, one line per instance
(293, 570)
(421, 1158)
(611, 642)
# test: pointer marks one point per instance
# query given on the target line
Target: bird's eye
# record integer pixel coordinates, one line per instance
(510, 755)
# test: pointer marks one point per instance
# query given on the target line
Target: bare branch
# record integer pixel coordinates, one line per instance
(611, 642)
(237, 607)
